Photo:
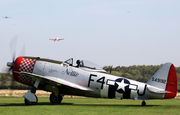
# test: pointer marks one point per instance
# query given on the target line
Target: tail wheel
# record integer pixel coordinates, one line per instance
(143, 103)
(55, 100)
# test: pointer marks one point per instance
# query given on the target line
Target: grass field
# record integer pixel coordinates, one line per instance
(89, 106)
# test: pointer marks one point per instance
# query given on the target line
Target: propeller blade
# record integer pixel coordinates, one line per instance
(22, 53)
(12, 45)
(5, 70)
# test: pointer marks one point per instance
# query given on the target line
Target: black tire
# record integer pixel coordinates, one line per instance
(27, 102)
(143, 103)
(55, 100)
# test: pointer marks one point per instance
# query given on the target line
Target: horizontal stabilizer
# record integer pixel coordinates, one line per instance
(156, 90)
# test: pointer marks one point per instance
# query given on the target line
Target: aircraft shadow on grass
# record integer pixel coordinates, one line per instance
(113, 105)
(40, 103)
(46, 103)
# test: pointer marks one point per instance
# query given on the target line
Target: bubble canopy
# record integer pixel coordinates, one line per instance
(85, 64)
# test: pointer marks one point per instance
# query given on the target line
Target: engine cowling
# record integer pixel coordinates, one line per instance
(23, 64)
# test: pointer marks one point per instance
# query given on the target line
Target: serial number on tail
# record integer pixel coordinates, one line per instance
(159, 80)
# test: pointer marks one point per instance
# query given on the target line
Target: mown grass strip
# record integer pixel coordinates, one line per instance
(88, 106)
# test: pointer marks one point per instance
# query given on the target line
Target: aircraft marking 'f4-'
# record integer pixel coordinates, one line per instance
(88, 79)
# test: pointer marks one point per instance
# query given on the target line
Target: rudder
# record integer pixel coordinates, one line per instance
(171, 85)
(166, 79)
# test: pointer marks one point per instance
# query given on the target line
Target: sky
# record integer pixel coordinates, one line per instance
(106, 32)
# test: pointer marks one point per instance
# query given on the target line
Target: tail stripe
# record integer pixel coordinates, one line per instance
(171, 85)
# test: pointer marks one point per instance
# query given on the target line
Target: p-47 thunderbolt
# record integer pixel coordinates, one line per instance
(87, 79)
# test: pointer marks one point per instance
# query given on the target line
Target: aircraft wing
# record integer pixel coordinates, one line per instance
(60, 39)
(51, 39)
(58, 81)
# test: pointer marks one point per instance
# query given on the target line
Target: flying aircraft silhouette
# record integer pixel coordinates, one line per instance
(6, 17)
(56, 39)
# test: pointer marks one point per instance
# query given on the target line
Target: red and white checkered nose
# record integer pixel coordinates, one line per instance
(25, 65)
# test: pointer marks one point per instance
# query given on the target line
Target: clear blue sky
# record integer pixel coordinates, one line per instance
(106, 32)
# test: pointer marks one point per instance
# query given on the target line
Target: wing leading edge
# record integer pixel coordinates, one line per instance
(55, 80)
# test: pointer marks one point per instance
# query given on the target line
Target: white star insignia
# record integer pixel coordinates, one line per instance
(121, 85)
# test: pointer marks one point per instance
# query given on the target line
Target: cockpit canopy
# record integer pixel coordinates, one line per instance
(69, 61)
(86, 65)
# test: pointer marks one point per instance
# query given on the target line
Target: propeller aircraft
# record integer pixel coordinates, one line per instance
(88, 79)
(6, 17)
(56, 39)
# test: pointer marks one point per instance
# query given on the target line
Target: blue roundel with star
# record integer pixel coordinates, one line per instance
(121, 85)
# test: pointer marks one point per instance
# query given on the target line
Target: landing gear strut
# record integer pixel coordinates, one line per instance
(143, 103)
(55, 99)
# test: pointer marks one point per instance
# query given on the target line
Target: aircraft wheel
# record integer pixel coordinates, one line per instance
(55, 100)
(143, 103)
(27, 102)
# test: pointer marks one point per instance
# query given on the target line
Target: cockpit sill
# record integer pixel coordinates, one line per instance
(85, 65)
(94, 70)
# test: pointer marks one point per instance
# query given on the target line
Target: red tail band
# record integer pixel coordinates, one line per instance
(171, 85)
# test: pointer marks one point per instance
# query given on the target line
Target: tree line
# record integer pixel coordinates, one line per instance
(7, 82)
(140, 73)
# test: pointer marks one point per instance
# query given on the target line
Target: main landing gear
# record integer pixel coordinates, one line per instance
(30, 97)
(27, 102)
(55, 99)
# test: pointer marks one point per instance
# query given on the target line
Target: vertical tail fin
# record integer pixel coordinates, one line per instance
(165, 78)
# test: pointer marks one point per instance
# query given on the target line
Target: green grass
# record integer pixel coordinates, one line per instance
(89, 106)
